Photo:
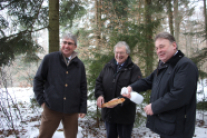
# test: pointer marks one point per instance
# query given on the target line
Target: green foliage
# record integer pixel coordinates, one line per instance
(199, 60)
(137, 35)
(26, 14)
(21, 19)
(95, 67)
(202, 105)
(70, 10)
(121, 8)
(16, 45)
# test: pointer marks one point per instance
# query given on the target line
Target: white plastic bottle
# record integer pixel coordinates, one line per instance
(135, 96)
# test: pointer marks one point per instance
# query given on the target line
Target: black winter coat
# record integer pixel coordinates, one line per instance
(63, 88)
(173, 97)
(109, 84)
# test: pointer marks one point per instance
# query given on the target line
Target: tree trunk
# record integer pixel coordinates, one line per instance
(170, 17)
(204, 12)
(148, 34)
(98, 39)
(53, 25)
(149, 45)
(176, 18)
(98, 22)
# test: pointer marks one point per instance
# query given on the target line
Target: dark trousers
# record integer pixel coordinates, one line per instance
(114, 130)
(50, 121)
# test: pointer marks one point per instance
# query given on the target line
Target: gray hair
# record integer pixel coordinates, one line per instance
(70, 36)
(166, 35)
(122, 44)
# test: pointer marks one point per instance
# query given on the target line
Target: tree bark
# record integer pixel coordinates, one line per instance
(98, 22)
(204, 11)
(98, 38)
(53, 25)
(170, 17)
(177, 22)
(148, 34)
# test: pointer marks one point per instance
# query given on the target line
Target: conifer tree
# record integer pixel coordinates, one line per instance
(18, 22)
(21, 20)
(170, 16)
(108, 30)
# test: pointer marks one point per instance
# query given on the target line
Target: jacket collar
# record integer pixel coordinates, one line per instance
(73, 55)
(172, 61)
(72, 59)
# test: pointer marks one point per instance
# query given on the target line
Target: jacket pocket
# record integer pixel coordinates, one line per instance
(165, 124)
(51, 97)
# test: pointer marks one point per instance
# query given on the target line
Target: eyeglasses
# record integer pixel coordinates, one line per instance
(120, 53)
(69, 43)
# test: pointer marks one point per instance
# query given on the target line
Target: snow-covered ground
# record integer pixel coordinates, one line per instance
(28, 125)
(202, 90)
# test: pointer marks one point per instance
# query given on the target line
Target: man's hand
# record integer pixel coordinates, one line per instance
(100, 101)
(129, 88)
(82, 115)
(148, 109)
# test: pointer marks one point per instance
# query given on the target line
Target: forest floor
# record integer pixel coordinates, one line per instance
(23, 121)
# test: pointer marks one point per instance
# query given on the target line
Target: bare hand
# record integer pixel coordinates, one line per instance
(82, 115)
(100, 101)
(148, 109)
(129, 92)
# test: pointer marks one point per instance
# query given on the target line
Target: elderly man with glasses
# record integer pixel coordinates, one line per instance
(60, 88)
(118, 73)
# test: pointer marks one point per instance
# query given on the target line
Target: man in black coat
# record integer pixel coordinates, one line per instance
(60, 88)
(172, 109)
(118, 73)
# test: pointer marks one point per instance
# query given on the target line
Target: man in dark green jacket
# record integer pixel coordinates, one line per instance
(118, 73)
(172, 108)
(60, 88)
